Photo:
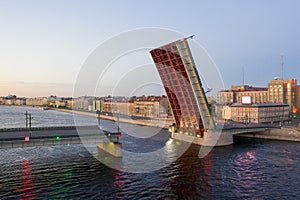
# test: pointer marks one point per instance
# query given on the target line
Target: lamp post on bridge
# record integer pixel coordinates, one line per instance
(118, 130)
(98, 117)
(28, 119)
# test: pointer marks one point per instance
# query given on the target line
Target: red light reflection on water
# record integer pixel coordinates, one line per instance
(208, 165)
(120, 180)
(27, 189)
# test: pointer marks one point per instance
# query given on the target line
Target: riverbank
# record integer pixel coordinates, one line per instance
(289, 133)
(162, 123)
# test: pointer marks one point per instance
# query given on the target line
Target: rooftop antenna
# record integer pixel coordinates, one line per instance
(282, 66)
(243, 76)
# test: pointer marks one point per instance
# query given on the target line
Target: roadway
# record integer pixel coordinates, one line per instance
(44, 136)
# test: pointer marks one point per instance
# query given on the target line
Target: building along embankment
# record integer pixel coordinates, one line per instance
(155, 122)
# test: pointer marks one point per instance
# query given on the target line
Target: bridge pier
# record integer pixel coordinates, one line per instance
(113, 148)
(217, 138)
(211, 138)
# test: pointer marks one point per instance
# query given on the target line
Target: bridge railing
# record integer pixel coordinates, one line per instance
(47, 128)
(57, 140)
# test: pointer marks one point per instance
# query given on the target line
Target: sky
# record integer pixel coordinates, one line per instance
(44, 44)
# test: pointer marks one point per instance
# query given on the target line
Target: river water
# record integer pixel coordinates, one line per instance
(249, 169)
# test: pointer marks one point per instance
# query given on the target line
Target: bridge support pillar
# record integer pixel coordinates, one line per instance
(211, 138)
(217, 138)
(113, 148)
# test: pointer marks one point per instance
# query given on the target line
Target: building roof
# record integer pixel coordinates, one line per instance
(249, 89)
(259, 105)
(150, 98)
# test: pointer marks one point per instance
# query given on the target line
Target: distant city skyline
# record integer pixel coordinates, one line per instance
(44, 44)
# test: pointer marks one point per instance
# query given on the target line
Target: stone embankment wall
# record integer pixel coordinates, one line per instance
(291, 133)
(162, 123)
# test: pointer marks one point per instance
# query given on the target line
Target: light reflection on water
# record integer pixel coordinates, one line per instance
(240, 171)
(27, 189)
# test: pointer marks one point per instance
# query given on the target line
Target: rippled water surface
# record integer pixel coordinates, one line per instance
(14, 116)
(250, 169)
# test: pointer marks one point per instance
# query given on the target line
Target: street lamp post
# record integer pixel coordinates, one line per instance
(30, 118)
(26, 119)
(98, 117)
(118, 121)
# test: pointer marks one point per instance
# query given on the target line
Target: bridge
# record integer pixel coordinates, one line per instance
(63, 135)
(193, 120)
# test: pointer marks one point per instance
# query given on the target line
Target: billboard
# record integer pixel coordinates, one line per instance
(246, 100)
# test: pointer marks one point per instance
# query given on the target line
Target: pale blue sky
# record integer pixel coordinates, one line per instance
(43, 44)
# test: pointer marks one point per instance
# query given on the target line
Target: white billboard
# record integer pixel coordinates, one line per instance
(246, 100)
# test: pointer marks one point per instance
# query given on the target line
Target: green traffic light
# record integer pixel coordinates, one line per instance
(57, 137)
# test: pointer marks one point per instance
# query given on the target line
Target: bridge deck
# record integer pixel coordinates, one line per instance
(44, 136)
(240, 129)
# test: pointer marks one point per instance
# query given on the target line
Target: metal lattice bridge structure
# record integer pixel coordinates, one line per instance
(183, 86)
